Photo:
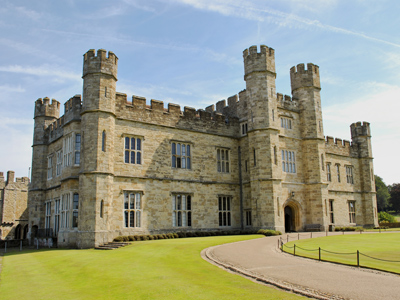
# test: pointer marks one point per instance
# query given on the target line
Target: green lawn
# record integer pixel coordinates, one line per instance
(160, 269)
(384, 246)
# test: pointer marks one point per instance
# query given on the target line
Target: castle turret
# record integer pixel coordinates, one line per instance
(306, 88)
(97, 131)
(361, 138)
(263, 139)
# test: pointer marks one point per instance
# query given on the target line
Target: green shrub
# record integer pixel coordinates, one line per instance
(119, 239)
(385, 217)
(131, 238)
(269, 232)
(349, 228)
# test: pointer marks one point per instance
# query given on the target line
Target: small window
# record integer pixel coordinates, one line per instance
(352, 211)
(75, 207)
(322, 162)
(181, 155)
(101, 208)
(288, 161)
(349, 174)
(328, 172)
(286, 123)
(133, 150)
(181, 210)
(224, 208)
(248, 217)
(338, 172)
(77, 149)
(50, 167)
(223, 160)
(331, 215)
(103, 141)
(243, 127)
(132, 209)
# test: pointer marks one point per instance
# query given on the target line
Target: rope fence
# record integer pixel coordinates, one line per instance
(282, 246)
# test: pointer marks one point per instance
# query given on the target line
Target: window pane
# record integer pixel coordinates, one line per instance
(229, 218)
(227, 167)
(223, 167)
(224, 203)
(133, 143)
(132, 201)
(227, 155)
(178, 149)
(179, 203)
(127, 143)
(173, 202)
(76, 201)
(127, 157)
(178, 162)
(138, 218)
(183, 202)
(138, 196)
(183, 150)
(132, 157)
(228, 204)
(138, 158)
(132, 219)
(179, 218)
(220, 218)
(223, 155)
(173, 147)
(218, 154)
(189, 218)
(188, 150)
(183, 162)
(126, 218)
(219, 166)
(188, 203)
(173, 161)
(139, 144)
(187, 163)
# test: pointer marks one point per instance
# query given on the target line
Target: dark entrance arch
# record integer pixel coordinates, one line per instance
(18, 232)
(289, 219)
(25, 232)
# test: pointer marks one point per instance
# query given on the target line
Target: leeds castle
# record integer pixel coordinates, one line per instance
(113, 165)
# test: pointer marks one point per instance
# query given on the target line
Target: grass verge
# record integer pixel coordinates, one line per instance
(381, 246)
(161, 269)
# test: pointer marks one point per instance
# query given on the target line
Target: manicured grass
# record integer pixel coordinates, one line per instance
(161, 269)
(384, 246)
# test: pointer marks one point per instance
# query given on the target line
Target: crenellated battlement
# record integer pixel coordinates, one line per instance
(43, 108)
(137, 109)
(287, 102)
(301, 77)
(100, 63)
(263, 61)
(360, 129)
(337, 142)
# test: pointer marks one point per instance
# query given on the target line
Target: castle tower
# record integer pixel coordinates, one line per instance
(263, 139)
(98, 125)
(361, 137)
(305, 84)
(45, 114)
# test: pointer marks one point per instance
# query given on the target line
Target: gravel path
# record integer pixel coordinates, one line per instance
(261, 260)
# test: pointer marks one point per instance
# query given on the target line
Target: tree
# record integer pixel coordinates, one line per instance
(384, 217)
(394, 200)
(382, 194)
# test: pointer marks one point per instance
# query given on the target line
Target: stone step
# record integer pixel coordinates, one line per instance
(111, 246)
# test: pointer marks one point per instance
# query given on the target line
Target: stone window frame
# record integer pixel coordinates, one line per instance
(338, 172)
(137, 149)
(225, 210)
(75, 210)
(47, 221)
(132, 209)
(352, 211)
(286, 123)
(331, 212)
(289, 161)
(77, 149)
(50, 166)
(223, 157)
(349, 174)
(243, 129)
(57, 213)
(328, 172)
(181, 157)
(67, 150)
(182, 209)
(59, 162)
(65, 210)
(248, 220)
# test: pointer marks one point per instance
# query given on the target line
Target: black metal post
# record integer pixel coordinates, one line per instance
(358, 258)
(319, 253)
(294, 250)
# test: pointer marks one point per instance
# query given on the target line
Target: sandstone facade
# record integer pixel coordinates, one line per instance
(112, 166)
(13, 206)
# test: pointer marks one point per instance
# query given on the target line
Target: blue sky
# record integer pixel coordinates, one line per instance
(189, 52)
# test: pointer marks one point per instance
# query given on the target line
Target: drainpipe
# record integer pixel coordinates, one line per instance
(241, 188)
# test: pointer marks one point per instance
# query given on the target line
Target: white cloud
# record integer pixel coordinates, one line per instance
(12, 89)
(44, 70)
(248, 10)
(380, 108)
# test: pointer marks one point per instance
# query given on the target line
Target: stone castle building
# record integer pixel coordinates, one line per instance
(115, 166)
(13, 206)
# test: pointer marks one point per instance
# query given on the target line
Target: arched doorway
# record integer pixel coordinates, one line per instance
(18, 232)
(25, 232)
(289, 219)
